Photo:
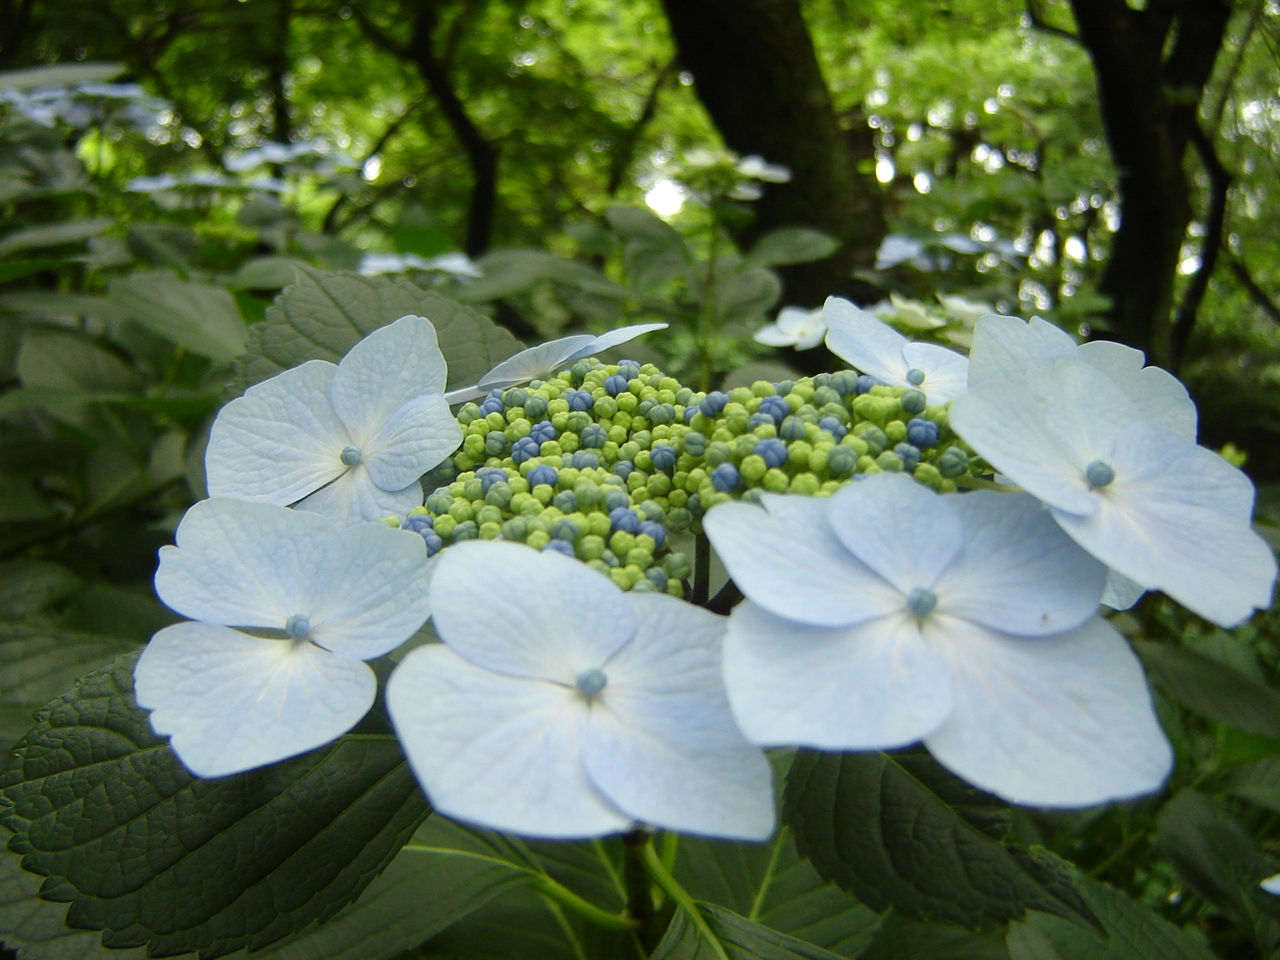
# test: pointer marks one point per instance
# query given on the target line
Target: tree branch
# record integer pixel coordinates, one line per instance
(1038, 22)
(621, 160)
(1251, 286)
(1215, 219)
(331, 218)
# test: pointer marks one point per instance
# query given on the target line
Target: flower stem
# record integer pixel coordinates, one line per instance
(701, 570)
(558, 893)
(653, 864)
(640, 905)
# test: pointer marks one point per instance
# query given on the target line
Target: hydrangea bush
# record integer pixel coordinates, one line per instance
(498, 602)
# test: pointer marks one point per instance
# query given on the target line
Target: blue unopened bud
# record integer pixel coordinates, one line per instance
(663, 456)
(915, 376)
(591, 682)
(565, 501)
(622, 468)
(417, 523)
(725, 478)
(695, 444)
(526, 448)
(544, 431)
(865, 382)
(579, 400)
(921, 601)
(559, 546)
(690, 413)
(1099, 474)
(535, 406)
(439, 501)
(759, 420)
(913, 401)
(843, 382)
(910, 456)
(616, 498)
(776, 408)
(624, 519)
(488, 476)
(655, 530)
(841, 462)
(792, 429)
(585, 459)
(515, 397)
(496, 444)
(662, 413)
(922, 433)
(773, 451)
(491, 405)
(824, 395)
(543, 474)
(629, 369)
(594, 436)
(466, 530)
(783, 387)
(298, 627)
(713, 403)
(953, 463)
(565, 529)
(350, 456)
(833, 427)
(615, 385)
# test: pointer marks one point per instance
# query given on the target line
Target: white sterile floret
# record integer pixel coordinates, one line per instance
(349, 441)
(1271, 884)
(1145, 500)
(559, 706)
(875, 348)
(545, 359)
(333, 596)
(889, 614)
(795, 327)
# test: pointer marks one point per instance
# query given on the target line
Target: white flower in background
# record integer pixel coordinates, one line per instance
(559, 706)
(878, 350)
(537, 363)
(349, 441)
(889, 614)
(754, 166)
(795, 327)
(1119, 473)
(899, 311)
(456, 264)
(967, 311)
(232, 701)
(1271, 884)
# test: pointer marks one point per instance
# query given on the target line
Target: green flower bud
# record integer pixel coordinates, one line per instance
(473, 446)
(490, 531)
(718, 453)
(496, 421)
(775, 480)
(557, 407)
(658, 485)
(928, 474)
(798, 453)
(913, 402)
(890, 462)
(854, 443)
(461, 510)
(678, 519)
(517, 528)
(588, 495)
(467, 413)
(636, 479)
(953, 463)
(873, 436)
(677, 496)
(753, 469)
(735, 417)
(499, 494)
(598, 525)
(804, 483)
(766, 431)
(627, 402)
(517, 429)
(841, 461)
(538, 539)
(621, 541)
(639, 557)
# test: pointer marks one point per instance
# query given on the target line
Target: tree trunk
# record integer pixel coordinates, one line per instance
(756, 72)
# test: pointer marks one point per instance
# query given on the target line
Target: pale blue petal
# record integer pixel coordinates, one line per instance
(369, 592)
(1159, 396)
(864, 342)
(785, 556)
(355, 498)
(241, 564)
(383, 372)
(662, 743)
(1005, 348)
(1017, 571)
(1176, 519)
(232, 702)
(509, 608)
(535, 362)
(614, 338)
(867, 687)
(1121, 593)
(411, 441)
(497, 751)
(946, 373)
(278, 442)
(902, 530)
(1062, 721)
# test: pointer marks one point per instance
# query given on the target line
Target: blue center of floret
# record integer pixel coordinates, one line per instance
(1099, 474)
(298, 627)
(921, 601)
(350, 456)
(591, 682)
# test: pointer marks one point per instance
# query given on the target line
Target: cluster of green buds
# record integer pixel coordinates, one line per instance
(609, 462)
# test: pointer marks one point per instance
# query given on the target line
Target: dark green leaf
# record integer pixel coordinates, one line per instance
(1258, 782)
(901, 938)
(654, 252)
(897, 830)
(203, 319)
(37, 661)
(16, 269)
(19, 501)
(51, 235)
(746, 295)
(790, 245)
(1133, 932)
(65, 360)
(150, 854)
(1221, 863)
(1212, 689)
(740, 938)
(323, 315)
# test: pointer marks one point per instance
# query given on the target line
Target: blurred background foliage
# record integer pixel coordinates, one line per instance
(579, 164)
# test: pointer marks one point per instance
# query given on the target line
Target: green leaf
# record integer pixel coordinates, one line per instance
(152, 855)
(27, 586)
(66, 360)
(1258, 782)
(1221, 863)
(38, 661)
(20, 501)
(746, 295)
(432, 883)
(738, 937)
(266, 273)
(771, 884)
(898, 830)
(901, 938)
(52, 235)
(653, 251)
(1212, 689)
(323, 315)
(1133, 932)
(201, 318)
(790, 245)
(16, 269)
(54, 303)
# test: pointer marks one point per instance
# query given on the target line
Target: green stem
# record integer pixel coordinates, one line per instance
(978, 483)
(701, 570)
(640, 905)
(707, 321)
(653, 863)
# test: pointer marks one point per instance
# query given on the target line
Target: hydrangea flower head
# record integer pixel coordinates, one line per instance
(541, 361)
(876, 349)
(795, 327)
(348, 440)
(889, 614)
(1119, 471)
(334, 597)
(559, 706)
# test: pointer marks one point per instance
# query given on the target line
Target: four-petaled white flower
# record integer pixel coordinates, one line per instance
(541, 361)
(795, 327)
(889, 614)
(559, 706)
(875, 348)
(1108, 445)
(348, 441)
(232, 701)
